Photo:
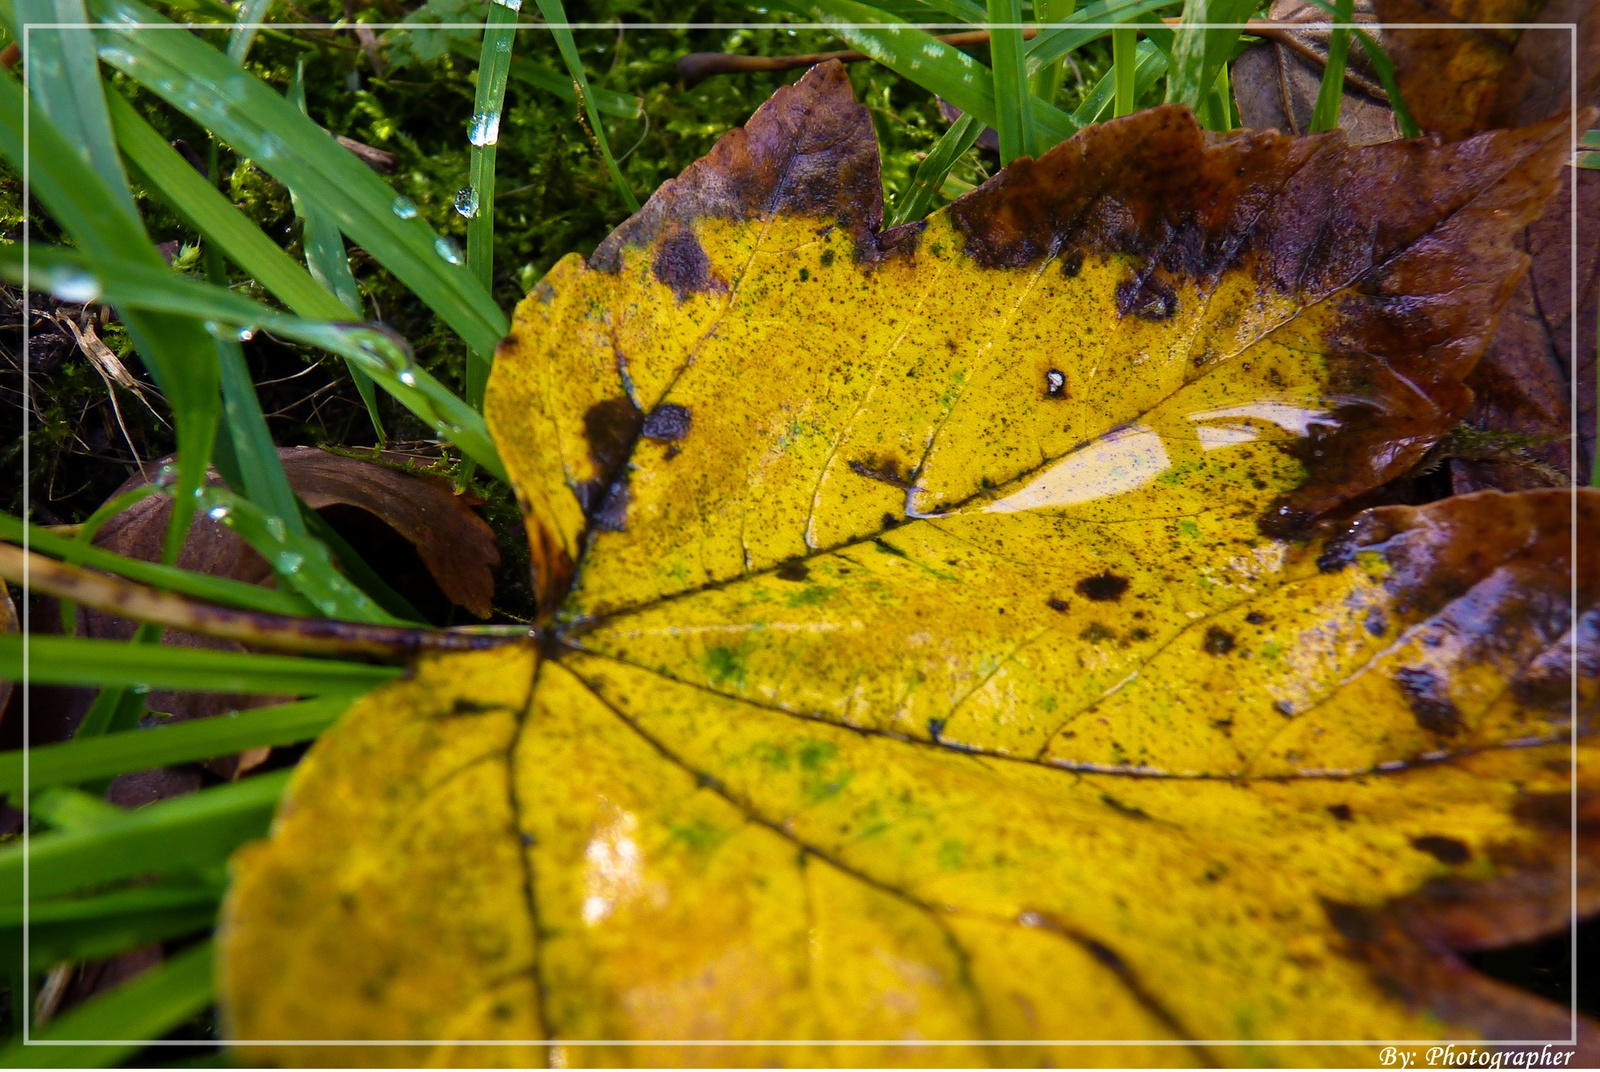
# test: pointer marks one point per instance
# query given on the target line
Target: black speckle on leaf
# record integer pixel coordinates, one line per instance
(1057, 604)
(1055, 384)
(1103, 586)
(1340, 812)
(1094, 633)
(793, 571)
(1072, 263)
(1218, 641)
(1429, 699)
(1124, 809)
(1255, 617)
(935, 727)
(1446, 850)
(1284, 708)
(668, 421)
(1375, 622)
(827, 257)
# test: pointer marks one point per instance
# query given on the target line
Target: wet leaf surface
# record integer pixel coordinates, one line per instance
(947, 638)
(1468, 81)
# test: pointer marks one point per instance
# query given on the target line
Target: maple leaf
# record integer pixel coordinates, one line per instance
(942, 642)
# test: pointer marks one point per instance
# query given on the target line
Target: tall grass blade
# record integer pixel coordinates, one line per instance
(64, 74)
(172, 836)
(1013, 97)
(1124, 68)
(1325, 115)
(95, 939)
(1382, 66)
(221, 590)
(1099, 105)
(248, 114)
(385, 357)
(555, 17)
(185, 892)
(74, 762)
(1067, 35)
(301, 562)
(146, 1007)
(923, 59)
(175, 349)
(607, 102)
(1202, 47)
(244, 31)
(476, 202)
(329, 263)
(75, 661)
(919, 199)
(1044, 80)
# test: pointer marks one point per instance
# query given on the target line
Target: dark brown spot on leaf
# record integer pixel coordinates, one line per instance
(1340, 812)
(1429, 699)
(1055, 384)
(1218, 641)
(1057, 604)
(668, 421)
(681, 263)
(1103, 587)
(793, 571)
(1444, 849)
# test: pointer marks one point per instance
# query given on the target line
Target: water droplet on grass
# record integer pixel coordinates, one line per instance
(79, 288)
(404, 207)
(467, 202)
(446, 247)
(485, 129)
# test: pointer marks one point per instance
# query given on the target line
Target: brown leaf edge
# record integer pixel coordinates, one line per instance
(1414, 240)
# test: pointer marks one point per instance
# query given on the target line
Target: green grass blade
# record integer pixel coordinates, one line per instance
(171, 178)
(1013, 97)
(72, 810)
(606, 101)
(187, 892)
(1201, 49)
(1098, 106)
(476, 202)
(919, 199)
(329, 263)
(75, 661)
(386, 358)
(171, 836)
(1067, 34)
(1124, 68)
(116, 709)
(1383, 67)
(175, 349)
(1044, 80)
(222, 590)
(301, 562)
(242, 34)
(146, 1007)
(73, 762)
(937, 67)
(555, 17)
(248, 114)
(64, 74)
(1325, 115)
(51, 943)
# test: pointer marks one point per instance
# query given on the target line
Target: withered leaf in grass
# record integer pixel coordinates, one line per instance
(943, 643)
(1522, 387)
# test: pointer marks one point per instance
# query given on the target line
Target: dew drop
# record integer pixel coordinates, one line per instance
(290, 561)
(510, 5)
(79, 288)
(467, 202)
(404, 207)
(446, 247)
(276, 528)
(485, 129)
(217, 513)
(246, 334)
(408, 378)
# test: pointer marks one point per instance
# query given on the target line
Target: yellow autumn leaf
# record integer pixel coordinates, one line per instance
(947, 659)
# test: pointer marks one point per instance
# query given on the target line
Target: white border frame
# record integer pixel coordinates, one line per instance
(27, 1021)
